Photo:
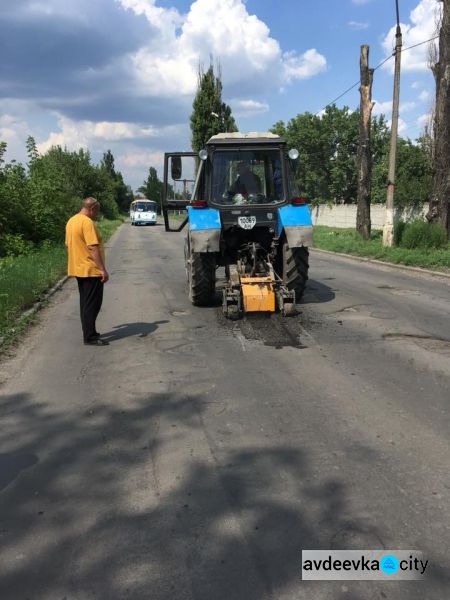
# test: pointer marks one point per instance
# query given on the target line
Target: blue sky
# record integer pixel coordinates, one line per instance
(121, 74)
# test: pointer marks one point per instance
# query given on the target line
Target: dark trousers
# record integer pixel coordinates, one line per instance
(91, 297)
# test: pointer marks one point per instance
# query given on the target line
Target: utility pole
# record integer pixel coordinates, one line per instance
(364, 158)
(388, 229)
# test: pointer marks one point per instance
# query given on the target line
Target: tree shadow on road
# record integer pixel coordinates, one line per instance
(99, 515)
(139, 329)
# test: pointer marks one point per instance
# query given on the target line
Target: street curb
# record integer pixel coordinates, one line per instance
(38, 305)
(384, 263)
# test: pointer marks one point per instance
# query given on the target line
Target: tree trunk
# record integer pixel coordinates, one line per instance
(439, 211)
(364, 158)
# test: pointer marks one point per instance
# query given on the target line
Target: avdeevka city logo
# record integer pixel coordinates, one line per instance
(389, 564)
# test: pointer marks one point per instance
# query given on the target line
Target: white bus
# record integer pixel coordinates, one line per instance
(143, 212)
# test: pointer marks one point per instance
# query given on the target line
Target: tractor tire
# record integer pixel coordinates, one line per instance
(201, 269)
(295, 268)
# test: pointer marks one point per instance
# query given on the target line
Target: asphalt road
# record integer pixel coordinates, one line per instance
(194, 458)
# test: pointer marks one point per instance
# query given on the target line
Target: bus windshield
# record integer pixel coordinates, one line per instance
(144, 206)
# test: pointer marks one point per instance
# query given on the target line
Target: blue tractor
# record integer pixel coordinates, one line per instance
(244, 213)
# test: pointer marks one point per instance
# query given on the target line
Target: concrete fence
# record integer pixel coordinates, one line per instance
(344, 215)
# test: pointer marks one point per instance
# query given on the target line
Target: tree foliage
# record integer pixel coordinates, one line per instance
(35, 202)
(412, 177)
(210, 115)
(327, 162)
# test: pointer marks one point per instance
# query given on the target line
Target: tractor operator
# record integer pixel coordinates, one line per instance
(247, 182)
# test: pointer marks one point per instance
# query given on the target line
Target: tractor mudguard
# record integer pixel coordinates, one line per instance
(296, 223)
(204, 229)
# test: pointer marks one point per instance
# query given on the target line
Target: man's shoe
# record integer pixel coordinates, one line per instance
(96, 342)
(96, 335)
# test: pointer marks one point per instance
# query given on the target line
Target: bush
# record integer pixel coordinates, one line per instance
(399, 229)
(420, 234)
(14, 244)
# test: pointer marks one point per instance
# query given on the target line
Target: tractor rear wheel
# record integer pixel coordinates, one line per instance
(295, 268)
(201, 271)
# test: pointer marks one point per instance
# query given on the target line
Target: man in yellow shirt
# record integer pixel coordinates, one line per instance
(86, 262)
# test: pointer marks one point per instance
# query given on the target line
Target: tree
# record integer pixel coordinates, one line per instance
(107, 163)
(439, 211)
(413, 175)
(32, 150)
(35, 203)
(210, 115)
(3, 147)
(327, 146)
(122, 193)
(152, 187)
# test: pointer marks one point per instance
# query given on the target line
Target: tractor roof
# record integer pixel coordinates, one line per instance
(252, 137)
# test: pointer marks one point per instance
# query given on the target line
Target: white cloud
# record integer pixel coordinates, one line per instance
(137, 158)
(386, 107)
(416, 85)
(424, 96)
(247, 108)
(14, 131)
(88, 134)
(164, 19)
(382, 107)
(303, 66)
(402, 126)
(424, 119)
(422, 26)
(12, 128)
(225, 30)
(361, 2)
(358, 25)
(95, 90)
(82, 134)
(407, 106)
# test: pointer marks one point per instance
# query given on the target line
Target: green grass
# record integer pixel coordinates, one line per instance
(348, 241)
(25, 279)
(107, 227)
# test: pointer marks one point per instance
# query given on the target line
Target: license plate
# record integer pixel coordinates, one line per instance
(247, 222)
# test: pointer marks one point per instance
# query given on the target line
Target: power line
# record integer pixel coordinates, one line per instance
(375, 69)
(420, 43)
(338, 97)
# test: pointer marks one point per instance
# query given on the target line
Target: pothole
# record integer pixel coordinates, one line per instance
(380, 314)
(353, 308)
(399, 291)
(427, 342)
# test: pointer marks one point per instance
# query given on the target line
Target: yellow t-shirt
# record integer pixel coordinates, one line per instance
(81, 232)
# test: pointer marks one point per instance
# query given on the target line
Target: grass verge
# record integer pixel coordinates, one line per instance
(24, 280)
(348, 241)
